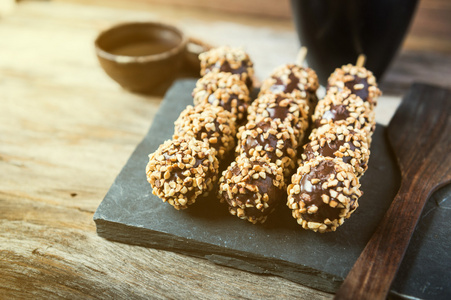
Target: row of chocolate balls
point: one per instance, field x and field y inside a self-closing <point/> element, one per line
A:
<point x="186" y="166"/>
<point x="255" y="183"/>
<point x="326" y="187"/>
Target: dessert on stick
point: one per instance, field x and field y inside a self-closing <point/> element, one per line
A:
<point x="186" y="167"/>
<point x="325" y="189"/>
<point x="277" y="122"/>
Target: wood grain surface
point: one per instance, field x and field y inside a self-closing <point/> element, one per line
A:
<point x="66" y="130"/>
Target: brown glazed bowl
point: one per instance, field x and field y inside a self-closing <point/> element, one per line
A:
<point x="142" y="57"/>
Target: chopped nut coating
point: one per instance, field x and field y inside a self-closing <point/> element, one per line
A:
<point x="177" y="183"/>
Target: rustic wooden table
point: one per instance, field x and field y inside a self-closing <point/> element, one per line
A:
<point x="66" y="130"/>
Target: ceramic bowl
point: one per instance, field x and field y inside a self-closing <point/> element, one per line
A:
<point x="141" y="56"/>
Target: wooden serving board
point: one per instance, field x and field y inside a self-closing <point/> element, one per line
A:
<point x="130" y="213"/>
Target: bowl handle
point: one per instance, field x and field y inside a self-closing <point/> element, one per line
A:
<point x="193" y="48"/>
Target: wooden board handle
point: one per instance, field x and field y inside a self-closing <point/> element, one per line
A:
<point x="376" y="267"/>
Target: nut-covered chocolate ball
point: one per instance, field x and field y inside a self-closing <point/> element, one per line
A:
<point x="337" y="141"/>
<point x="223" y="89"/>
<point x="357" y="80"/>
<point x="344" y="108"/>
<point x="181" y="170"/>
<point x="293" y="79"/>
<point x="208" y="123"/>
<point x="252" y="188"/>
<point x="228" y="60"/>
<point x="283" y="107"/>
<point x="271" y="139"/>
<point x="323" y="193"/>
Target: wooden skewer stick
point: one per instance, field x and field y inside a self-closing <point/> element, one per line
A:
<point x="301" y="56"/>
<point x="361" y="60"/>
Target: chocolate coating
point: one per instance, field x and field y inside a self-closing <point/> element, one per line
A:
<point x="229" y="60"/>
<point x="362" y="92"/>
<point x="335" y="113"/>
<point x="337" y="141"/>
<point x="289" y="78"/>
<point x="271" y="139"/>
<point x="312" y="100"/>
<point x="327" y="150"/>
<point x="283" y="107"/>
<point x="229" y="103"/>
<point x="357" y="80"/>
<point x="291" y="86"/>
<point x="223" y="89"/>
<point x="225" y="67"/>
<point x="311" y="193"/>
<point x="208" y="123"/>
<point x="293" y="79"/>
<point x="268" y="142"/>
<point x="252" y="188"/>
<point x="345" y="108"/>
<point x="323" y="193"/>
<point x="181" y="170"/>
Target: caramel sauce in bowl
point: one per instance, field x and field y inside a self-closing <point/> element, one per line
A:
<point x="142" y="57"/>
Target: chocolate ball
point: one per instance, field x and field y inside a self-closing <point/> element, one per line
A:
<point x="345" y="108"/>
<point x="337" y="141"/>
<point x="293" y="79"/>
<point x="271" y="139"/>
<point x="211" y="124"/>
<point x="323" y="193"/>
<point x="181" y="170"/>
<point x="223" y="89"/>
<point x="283" y="107"/>
<point x="252" y="188"/>
<point x="357" y="80"/>
<point x="228" y="60"/>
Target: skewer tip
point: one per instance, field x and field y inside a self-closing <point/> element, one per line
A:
<point x="361" y="60"/>
<point x="301" y="56"/>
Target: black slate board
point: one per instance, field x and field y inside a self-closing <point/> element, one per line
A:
<point x="130" y="213"/>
